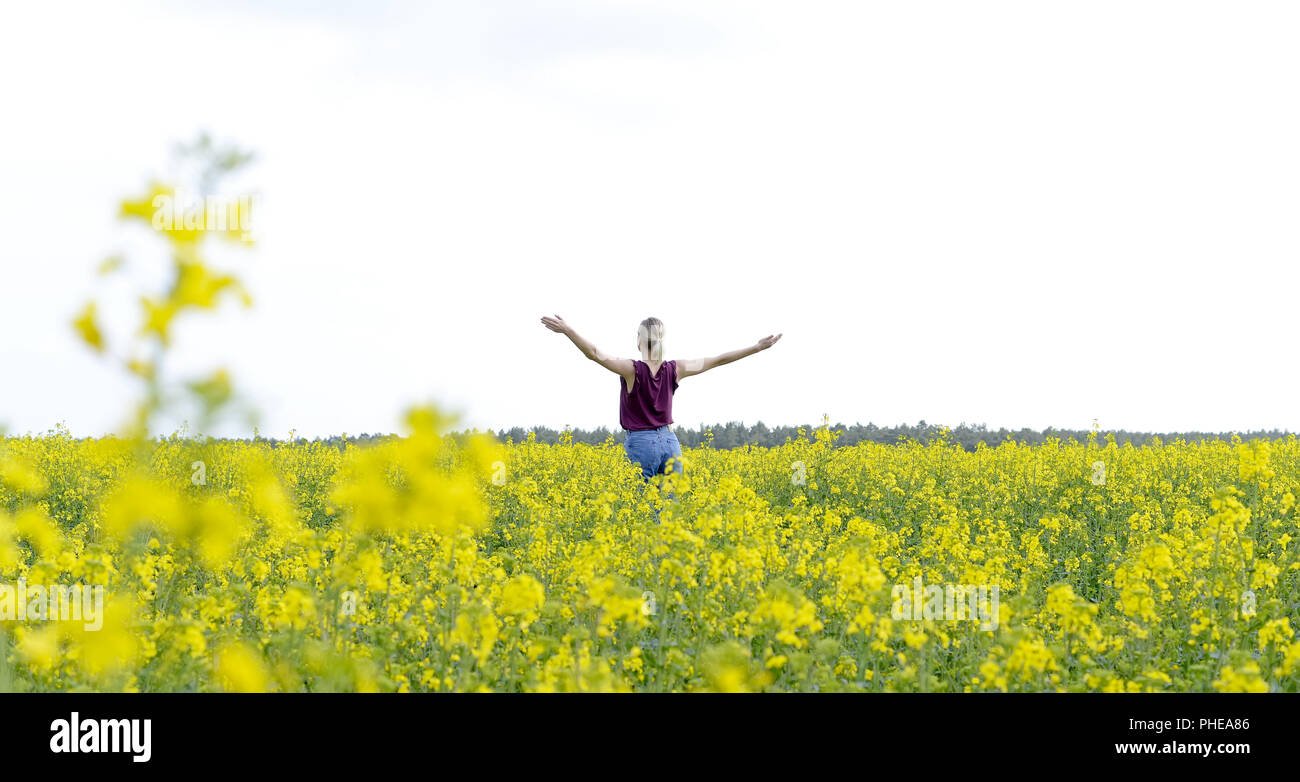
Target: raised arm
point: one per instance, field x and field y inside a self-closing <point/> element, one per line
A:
<point x="619" y="366"/>
<point x="697" y="366"/>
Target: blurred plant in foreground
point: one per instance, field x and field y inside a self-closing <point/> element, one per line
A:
<point x="222" y="561"/>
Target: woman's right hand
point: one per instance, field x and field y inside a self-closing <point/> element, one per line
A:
<point x="768" y="341"/>
<point x="555" y="324"/>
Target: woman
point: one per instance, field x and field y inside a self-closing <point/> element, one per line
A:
<point x="645" y="407"/>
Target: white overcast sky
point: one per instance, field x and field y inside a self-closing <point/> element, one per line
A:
<point x="1016" y="213"/>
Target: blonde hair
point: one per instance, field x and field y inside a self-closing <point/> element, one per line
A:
<point x="651" y="334"/>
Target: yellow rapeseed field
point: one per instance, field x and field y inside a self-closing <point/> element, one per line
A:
<point x="433" y="562"/>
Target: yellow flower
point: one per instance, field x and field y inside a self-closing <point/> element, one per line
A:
<point x="1245" y="679"/>
<point x="240" y="669"/>
<point x="87" y="326"/>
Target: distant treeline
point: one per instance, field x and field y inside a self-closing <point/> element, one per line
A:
<point x="736" y="434"/>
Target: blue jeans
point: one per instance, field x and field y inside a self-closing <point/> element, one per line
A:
<point x="651" y="449"/>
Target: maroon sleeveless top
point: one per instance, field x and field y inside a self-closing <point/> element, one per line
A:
<point x="650" y="405"/>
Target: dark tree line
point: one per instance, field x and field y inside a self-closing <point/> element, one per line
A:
<point x="736" y="434"/>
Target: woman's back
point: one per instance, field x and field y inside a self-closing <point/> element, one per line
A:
<point x="649" y="403"/>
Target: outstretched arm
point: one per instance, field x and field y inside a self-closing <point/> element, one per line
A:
<point x="697" y="366"/>
<point x="619" y="366"/>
